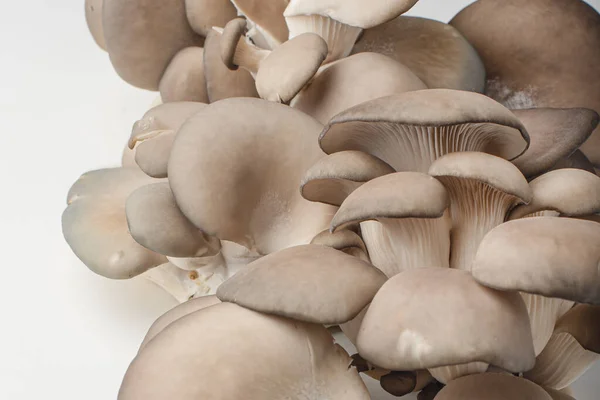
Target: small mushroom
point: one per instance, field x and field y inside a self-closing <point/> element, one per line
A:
<point x="202" y="15"/>
<point x="572" y="350"/>
<point x="221" y="82"/>
<point x="234" y="170"/>
<point x="141" y="51"/>
<point x="353" y="80"/>
<point x="340" y="23"/>
<point x="411" y="130"/>
<point x="402" y="228"/>
<point x="95" y="226"/>
<point x="555" y="133"/>
<point x="337" y="175"/>
<point x="183" y="80"/>
<point x="295" y="283"/>
<point x="281" y="73"/>
<point x="552" y="257"/>
<point x="93" y="17"/>
<point x="152" y="136"/>
<point x="265" y="20"/>
<point x="492" y="325"/>
<point x="482" y="190"/>
<point x="569" y="192"/>
<point x="436" y="52"/>
<point x="492" y="386"/>
<point x="228" y="352"/>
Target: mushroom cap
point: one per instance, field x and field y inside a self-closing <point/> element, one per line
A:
<point x="571" y="192"/>
<point x="353" y="80"/>
<point x="141" y="51"/>
<point x="95" y="226"/>
<point x="93" y="17"/>
<point x="351" y="12"/>
<point x="284" y="72"/>
<point x="183" y="80"/>
<point x="583" y="323"/>
<point x="437" y="53"/>
<point x="561" y="41"/>
<point x="492" y="386"/>
<point x="555" y="133"/>
<point x="402" y="329"/>
<point x="153" y="135"/>
<point x="273" y="358"/>
<point x="337" y="175"/>
<point x="221" y="82"/>
<point x="297" y="283"/>
<point x="490" y="170"/>
<point x="202" y="15"/>
<point x="156" y="223"/>
<point x="386" y="127"/>
<point x="177" y="313"/>
<point x="234" y="171"/>
<point x="554" y="257"/>
<point x="268" y="17"/>
<point x="387" y="197"/>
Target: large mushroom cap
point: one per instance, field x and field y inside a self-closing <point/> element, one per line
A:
<point x="555" y="133"/>
<point x="309" y="283"/>
<point x="554" y="257"/>
<point x="235" y="168"/>
<point x="141" y="51"/>
<point x="538" y="53"/>
<point x="93" y="17"/>
<point x="202" y="15"/>
<point x="95" y="226"/>
<point x="226" y="352"/>
<point x="183" y="80"/>
<point x="437" y="53"/>
<point x="492" y="386"/>
<point x="434" y="121"/>
<point x="354" y="80"/>
<point x="416" y="317"/>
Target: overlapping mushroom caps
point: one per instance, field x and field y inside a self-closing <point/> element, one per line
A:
<point x="561" y="40"/>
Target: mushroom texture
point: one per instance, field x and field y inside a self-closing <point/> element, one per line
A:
<point x="93" y="17"/>
<point x="340" y="23"/>
<point x="234" y="170"/>
<point x="95" y="225"/>
<point x="436" y="52"/>
<point x="411" y="130"/>
<point x="483" y="189"/>
<point x="492" y="386"/>
<point x="141" y="51"/>
<point x="281" y="73"/>
<point x="350" y="81"/>
<point x="402" y="228"/>
<point x="572" y="350"/>
<point x="555" y="75"/>
<point x="202" y="15"/>
<point x="401" y="329"/>
<point x="274" y="358"/>
<point x="183" y="80"/>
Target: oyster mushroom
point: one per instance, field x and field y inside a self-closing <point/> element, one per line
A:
<point x="353" y="80"/>
<point x="95" y="226"/>
<point x="202" y="15"/>
<point x="492" y="386"/>
<point x="281" y="73"/>
<point x="141" y="51"/>
<point x="403" y="221"/>
<point x="294" y="283"/>
<point x="234" y="170"/>
<point x="340" y="22"/>
<point x="492" y="325"/>
<point x="183" y="80"/>
<point x="573" y="349"/>
<point x="274" y="358"/>
<point x="411" y="130"/>
<point x="436" y="52"/>
<point x="561" y="41"/>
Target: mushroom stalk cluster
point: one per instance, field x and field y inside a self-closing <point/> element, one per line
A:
<point x="315" y="164"/>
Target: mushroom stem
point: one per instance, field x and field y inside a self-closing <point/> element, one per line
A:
<point x="340" y="37"/>
<point x="396" y="245"/>
<point x="448" y="373"/>
<point x="249" y="56"/>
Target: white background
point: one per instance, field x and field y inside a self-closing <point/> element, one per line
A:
<point x="66" y="333"/>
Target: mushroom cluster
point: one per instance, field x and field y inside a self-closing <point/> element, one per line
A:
<point x="321" y="173"/>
